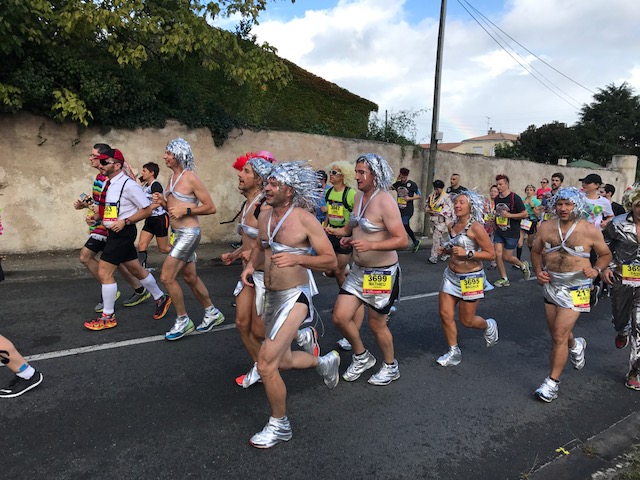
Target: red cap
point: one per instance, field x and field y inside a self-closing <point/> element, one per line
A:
<point x="113" y="153"/>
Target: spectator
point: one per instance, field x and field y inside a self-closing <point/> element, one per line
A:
<point x="609" y="190"/>
<point x="544" y="188"/>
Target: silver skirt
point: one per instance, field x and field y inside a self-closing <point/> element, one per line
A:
<point x="278" y="305"/>
<point x="354" y="284"/>
<point x="558" y="290"/>
<point x="451" y="284"/>
<point x="258" y="285"/>
<point x="185" y="244"/>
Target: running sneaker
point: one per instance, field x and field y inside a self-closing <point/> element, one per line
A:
<point x="137" y="298"/>
<point x="103" y="322"/>
<point x="493" y="266"/>
<point x="183" y="326"/>
<point x="501" y="282"/>
<point x="100" y="305"/>
<point x="212" y="318"/>
<point x="344" y="344"/>
<point x="526" y="270"/>
<point x="328" y="366"/>
<point x="249" y="378"/>
<point x="632" y="381"/>
<point x="386" y="374"/>
<point x="275" y="431"/>
<point x="576" y="354"/>
<point x="19" y="385"/>
<point x="433" y="260"/>
<point x="308" y="341"/>
<point x="548" y="391"/>
<point x="622" y="340"/>
<point x="444" y="258"/>
<point x="416" y="246"/>
<point x="491" y="332"/>
<point x="595" y="294"/>
<point x="359" y="364"/>
<point x="162" y="307"/>
<point x="452" y="358"/>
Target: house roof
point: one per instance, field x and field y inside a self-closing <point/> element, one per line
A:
<point x="445" y="147"/>
<point x="493" y="136"/>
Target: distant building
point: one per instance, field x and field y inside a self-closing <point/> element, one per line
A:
<point x="484" y="145"/>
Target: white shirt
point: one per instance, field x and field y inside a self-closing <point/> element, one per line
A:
<point x="600" y="207"/>
<point x="132" y="198"/>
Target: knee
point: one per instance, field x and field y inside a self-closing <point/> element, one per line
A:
<point x="243" y="324"/>
<point x="86" y="257"/>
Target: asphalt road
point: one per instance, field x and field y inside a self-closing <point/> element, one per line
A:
<point x="147" y="408"/>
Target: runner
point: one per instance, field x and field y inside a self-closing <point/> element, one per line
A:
<point x="566" y="274"/>
<point x="464" y="281"/>
<point x="26" y="377"/>
<point x="288" y="233"/>
<point x="186" y="199"/>
<point x="158" y="223"/>
<point x="374" y="231"/>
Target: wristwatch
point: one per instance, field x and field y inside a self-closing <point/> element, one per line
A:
<point x="127" y="221"/>
<point x="470" y="254"/>
<point x="188" y="211"/>
<point x="599" y="270"/>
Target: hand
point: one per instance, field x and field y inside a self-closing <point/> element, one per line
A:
<point x="157" y="197"/>
<point x="607" y="276"/>
<point x="345" y="241"/>
<point x="117" y="226"/>
<point x="543" y="277"/>
<point x="590" y="272"/>
<point x="282" y="260"/>
<point x="79" y="204"/>
<point x="227" y="258"/>
<point x="177" y="212"/>
<point x="361" y="245"/>
<point x="245" y="276"/>
<point x="459" y="252"/>
<point x="90" y="220"/>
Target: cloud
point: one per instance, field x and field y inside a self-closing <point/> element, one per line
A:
<point x="371" y="48"/>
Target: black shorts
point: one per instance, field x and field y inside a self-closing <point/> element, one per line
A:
<point x="120" y="246"/>
<point x="335" y="243"/>
<point x="95" y="245"/>
<point x="158" y="225"/>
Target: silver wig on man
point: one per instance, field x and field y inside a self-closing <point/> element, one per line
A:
<point x="382" y="173"/>
<point x="181" y="150"/>
<point x="303" y="181"/>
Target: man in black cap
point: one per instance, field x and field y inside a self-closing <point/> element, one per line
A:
<point x="601" y="211"/>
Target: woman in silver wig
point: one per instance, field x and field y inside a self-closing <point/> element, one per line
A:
<point x="464" y="281"/>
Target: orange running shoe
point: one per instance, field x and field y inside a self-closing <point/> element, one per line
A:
<point x="103" y="322"/>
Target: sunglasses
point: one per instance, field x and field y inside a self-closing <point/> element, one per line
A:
<point x="544" y="182"/>
<point x="334" y="172"/>
<point x="107" y="162"/>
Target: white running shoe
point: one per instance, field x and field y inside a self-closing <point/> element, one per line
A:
<point x="452" y="358"/>
<point x="576" y="354"/>
<point x="491" y="332"/>
<point x="359" y="364"/>
<point x="386" y="374"/>
<point x="344" y="344"/>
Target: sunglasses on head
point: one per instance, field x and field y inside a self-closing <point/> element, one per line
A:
<point x="107" y="162"/>
<point x="334" y="172"/>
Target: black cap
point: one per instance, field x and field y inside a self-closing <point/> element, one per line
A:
<point x="592" y="178"/>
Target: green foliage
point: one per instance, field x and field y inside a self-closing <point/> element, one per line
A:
<point x="505" y="150"/>
<point x="608" y="126"/>
<point x="135" y="63"/>
<point x="399" y="128"/>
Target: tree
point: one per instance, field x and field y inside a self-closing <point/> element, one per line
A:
<point x="547" y="143"/>
<point x="610" y="125"/>
<point x="133" y="32"/>
<point x="505" y="150"/>
<point x="397" y="127"/>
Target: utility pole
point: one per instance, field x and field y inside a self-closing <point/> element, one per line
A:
<point x="429" y="172"/>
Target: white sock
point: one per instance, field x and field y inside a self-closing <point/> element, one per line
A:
<point x="109" y="292"/>
<point x="27" y="372"/>
<point x="150" y="284"/>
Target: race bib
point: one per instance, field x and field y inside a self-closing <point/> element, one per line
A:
<point x="335" y="211"/>
<point x="581" y="295"/>
<point x="489" y="218"/>
<point x="502" y="222"/>
<point x="525" y="224"/>
<point x="402" y="202"/>
<point x="548" y="216"/>
<point x="472" y="286"/>
<point x="377" y="282"/>
<point x="172" y="238"/>
<point x="110" y="214"/>
<point x="631" y="275"/>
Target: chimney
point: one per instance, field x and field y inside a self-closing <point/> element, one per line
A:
<point x="491" y="130"/>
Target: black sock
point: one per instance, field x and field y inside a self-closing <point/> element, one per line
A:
<point x="139" y="290"/>
<point x="518" y="252"/>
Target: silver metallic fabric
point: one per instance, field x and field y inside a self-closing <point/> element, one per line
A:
<point x="620" y="235"/>
<point x="258" y="285"/>
<point x="278" y="305"/>
<point x="261" y="167"/>
<point x="355" y="281"/>
<point x="451" y="283"/>
<point x="382" y="173"/>
<point x="558" y="290"/>
<point x="185" y="244"/>
<point x="574" y="195"/>
<point x="298" y="175"/>
<point x="181" y="149"/>
<point x="476" y="204"/>
<point x="625" y="307"/>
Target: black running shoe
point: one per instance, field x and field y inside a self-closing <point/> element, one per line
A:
<point x="18" y="386"/>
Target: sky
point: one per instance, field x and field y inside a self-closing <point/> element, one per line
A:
<point x="385" y="51"/>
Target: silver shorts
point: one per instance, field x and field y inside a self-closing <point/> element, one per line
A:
<point x="278" y="305"/>
<point x="354" y="284"/>
<point x="451" y="283"/>
<point x="558" y="290"/>
<point x="258" y="285"/>
<point x="185" y="244"/>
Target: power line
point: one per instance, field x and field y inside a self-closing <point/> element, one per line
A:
<point x="577" y="107"/>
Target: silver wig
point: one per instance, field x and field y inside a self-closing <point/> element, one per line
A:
<point x="261" y="167"/>
<point x="382" y="173"/>
<point x="631" y="196"/>
<point x="181" y="149"/>
<point x="302" y="179"/>
<point x="476" y="205"/>
<point x="575" y="196"/>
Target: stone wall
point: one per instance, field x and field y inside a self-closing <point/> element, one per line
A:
<point x="44" y="168"/>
